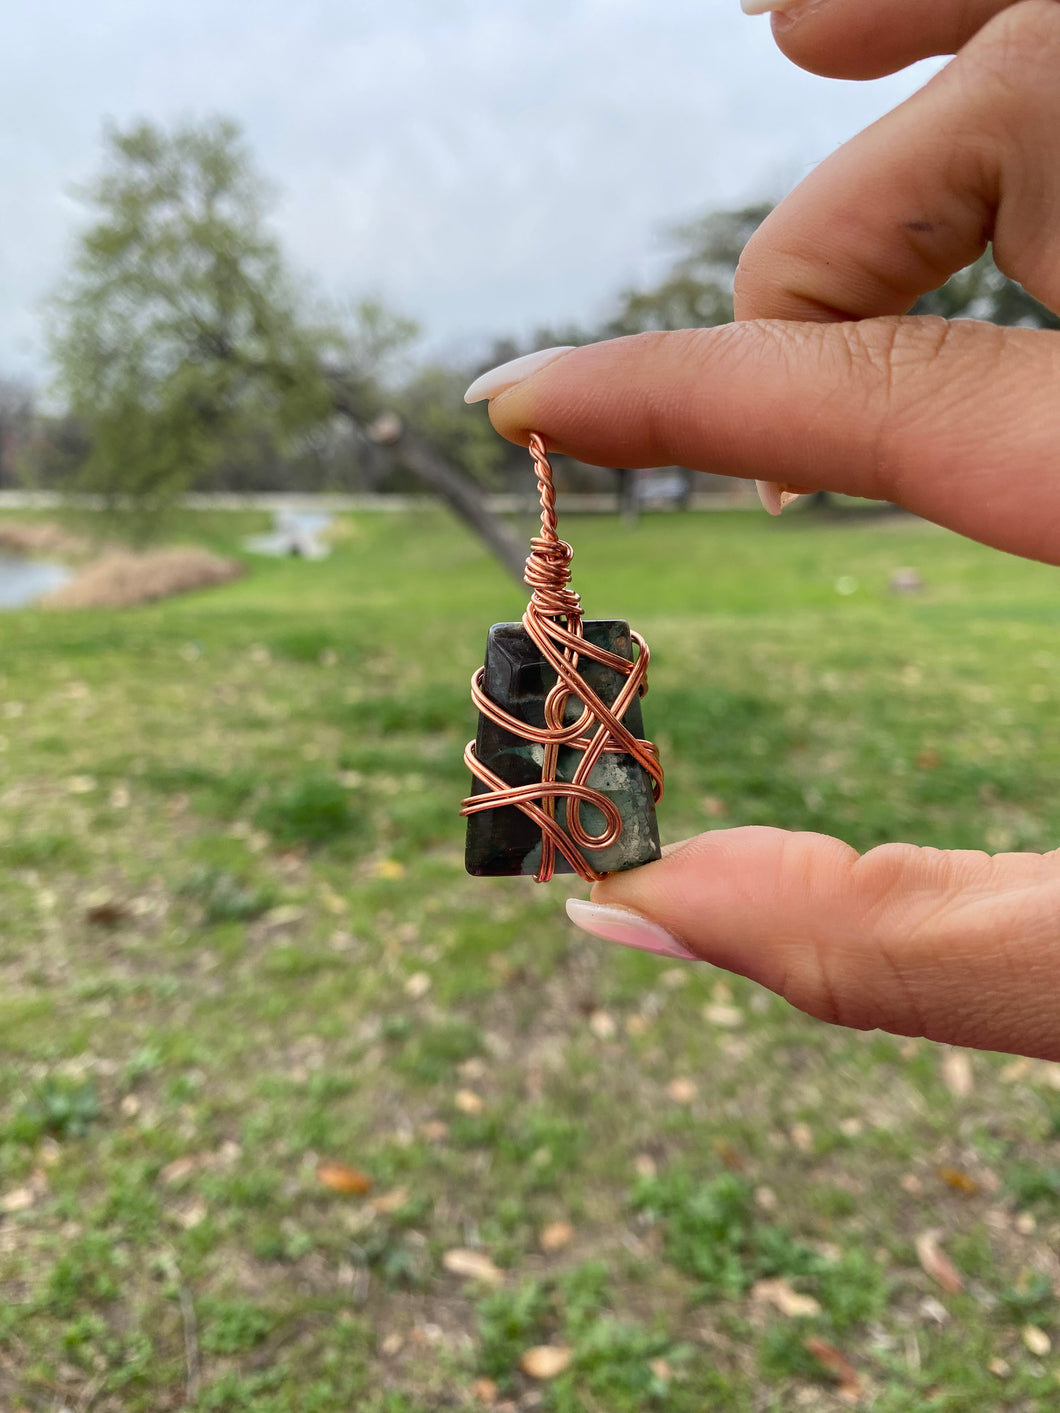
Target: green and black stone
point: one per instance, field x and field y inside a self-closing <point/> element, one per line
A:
<point x="504" y="841"/>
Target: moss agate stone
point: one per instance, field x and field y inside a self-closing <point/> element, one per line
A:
<point x="504" y="841"/>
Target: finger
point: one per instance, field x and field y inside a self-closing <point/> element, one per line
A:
<point x="960" y="947"/>
<point x="862" y="39"/>
<point x="916" y="197"/>
<point x="957" y="421"/>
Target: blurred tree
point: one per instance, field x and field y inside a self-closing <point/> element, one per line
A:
<point x="183" y="344"/>
<point x="178" y="335"/>
<point x="981" y="291"/>
<point x="17" y="419"/>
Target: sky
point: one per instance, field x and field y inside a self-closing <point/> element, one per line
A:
<point x="483" y="166"/>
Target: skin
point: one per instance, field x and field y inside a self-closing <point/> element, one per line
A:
<point x="824" y="382"/>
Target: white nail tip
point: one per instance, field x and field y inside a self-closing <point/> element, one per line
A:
<point x="769" y="495"/>
<point x="763" y="7"/>
<point x="498" y="380"/>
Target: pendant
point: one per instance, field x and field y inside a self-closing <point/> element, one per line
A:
<point x="563" y="780"/>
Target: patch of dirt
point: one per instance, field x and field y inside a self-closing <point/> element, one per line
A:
<point x="122" y="578"/>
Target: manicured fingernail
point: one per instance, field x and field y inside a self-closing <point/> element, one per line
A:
<point x="627" y="928"/>
<point x="499" y="380"/>
<point x="763" y="7"/>
<point x="774" y="496"/>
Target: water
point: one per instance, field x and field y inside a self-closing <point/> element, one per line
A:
<point x="24" y="580"/>
<point x="296" y="533"/>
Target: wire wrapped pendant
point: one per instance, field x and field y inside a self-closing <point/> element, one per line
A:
<point x="563" y="781"/>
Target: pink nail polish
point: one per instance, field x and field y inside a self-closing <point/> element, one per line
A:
<point x="627" y="928"/>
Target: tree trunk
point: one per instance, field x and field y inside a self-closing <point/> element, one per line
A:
<point x="464" y="497"/>
<point x="468" y="500"/>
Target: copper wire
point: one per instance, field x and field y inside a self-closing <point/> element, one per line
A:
<point x="553" y="619"/>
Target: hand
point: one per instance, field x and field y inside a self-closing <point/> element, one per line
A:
<point x="827" y="383"/>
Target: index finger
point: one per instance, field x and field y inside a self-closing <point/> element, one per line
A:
<point x="863" y="39"/>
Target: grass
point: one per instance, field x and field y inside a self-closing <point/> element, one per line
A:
<point x="237" y="940"/>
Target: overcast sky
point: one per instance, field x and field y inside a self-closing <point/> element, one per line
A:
<point x="483" y="165"/>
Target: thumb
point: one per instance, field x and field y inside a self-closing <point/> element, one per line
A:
<point x="955" y="946"/>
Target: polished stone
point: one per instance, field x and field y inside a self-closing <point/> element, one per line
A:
<point x="505" y="841"/>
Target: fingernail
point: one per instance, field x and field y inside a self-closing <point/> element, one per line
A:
<point x="763" y="7"/>
<point x="499" y="380"/>
<point x="627" y="928"/>
<point x="774" y="496"/>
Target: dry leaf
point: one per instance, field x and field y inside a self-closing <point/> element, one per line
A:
<point x="602" y="1025"/>
<point x="682" y="1091"/>
<point x="389" y="1202"/>
<point x="636" y="1025"/>
<point x="340" y="1177"/>
<point x="1025" y="1223"/>
<point x="475" y="1068"/>
<point x="1000" y="1368"/>
<point x="179" y="1169"/>
<point x="556" y="1236"/>
<point x="130" y="1106"/>
<point x="1036" y="1340"/>
<point x="107" y="912"/>
<point x="728" y="1017"/>
<point x="958" y="1179"/>
<point x="468" y="1102"/>
<point x="713" y="807"/>
<point x="957" y="1073"/>
<point x="802" y="1137"/>
<point x="645" y="1166"/>
<point x="434" y="1130"/>
<point x="485" y="1390"/>
<point x="766" y="1198"/>
<point x="18" y="1199"/>
<point x="782" y="1297"/>
<point x="661" y="1370"/>
<point x="1016" y="1070"/>
<point x="417" y="986"/>
<point x="837" y="1364"/>
<point x="545" y="1361"/>
<point x="936" y="1263"/>
<point x="393" y="1344"/>
<point x="909" y="1182"/>
<point x="472" y="1265"/>
<point x="193" y="1214"/>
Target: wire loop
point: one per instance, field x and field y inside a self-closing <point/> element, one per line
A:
<point x="553" y="619"/>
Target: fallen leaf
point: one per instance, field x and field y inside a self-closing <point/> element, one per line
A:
<point x="728" y="1017"/>
<point x="682" y="1091"/>
<point x="729" y="1154"/>
<point x="392" y="1344"/>
<point x="936" y="1263"/>
<point x="636" y="1025"/>
<point x="18" y="1199"/>
<point x="80" y="784"/>
<point x="958" y="1179"/>
<point x="1025" y="1223"/>
<point x="472" y="1265"/>
<point x="713" y="807"/>
<point x="417" y="986"/>
<point x="1000" y="1368"/>
<point x="468" y="1102"/>
<point x="179" y="1169"/>
<point x="802" y="1137"/>
<point x="545" y="1361"/>
<point x="1015" y="1070"/>
<point x="434" y="1130"/>
<point x="782" y="1297"/>
<point x="106" y="912"/>
<point x="927" y="759"/>
<point x="390" y="868"/>
<point x="556" y="1236"/>
<point x="475" y="1068"/>
<point x="957" y="1073"/>
<point x="485" y="1390"/>
<point x="909" y="1182"/>
<point x="1036" y="1340"/>
<point x="645" y="1166"/>
<point x="602" y="1025"/>
<point x="193" y="1214"/>
<point x="837" y="1364"/>
<point x="389" y="1202"/>
<point x="766" y="1198"/>
<point x="340" y="1177"/>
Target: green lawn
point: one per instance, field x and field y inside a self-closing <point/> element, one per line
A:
<point x="237" y="940"/>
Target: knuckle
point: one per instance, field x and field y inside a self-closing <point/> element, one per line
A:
<point x="1016" y="52"/>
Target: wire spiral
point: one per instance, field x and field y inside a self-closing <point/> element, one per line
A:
<point x="553" y="619"/>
